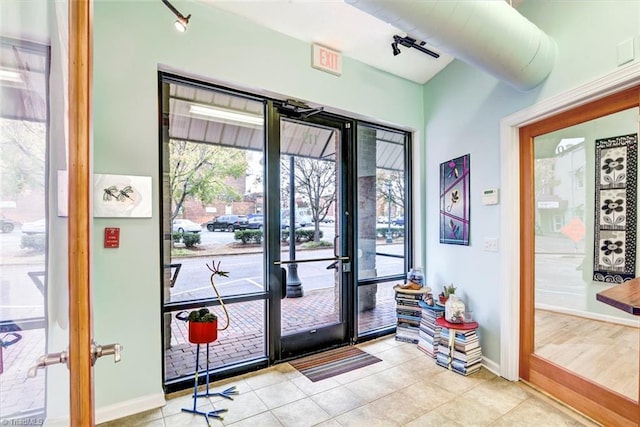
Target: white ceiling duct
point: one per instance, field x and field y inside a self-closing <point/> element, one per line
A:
<point x="490" y="35"/>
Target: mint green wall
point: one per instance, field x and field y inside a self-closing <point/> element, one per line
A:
<point x="463" y="108"/>
<point x="131" y="38"/>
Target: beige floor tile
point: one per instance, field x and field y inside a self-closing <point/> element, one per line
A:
<point x="497" y="394"/>
<point x="532" y="411"/>
<point x="400" y="375"/>
<point x="289" y="371"/>
<point x="241" y="407"/>
<point x="468" y="412"/>
<point x="174" y="406"/>
<point x="264" y="378"/>
<point x="456" y="383"/>
<point x="429" y="395"/>
<point x="401" y="407"/>
<point x="265" y="419"/>
<point x="375" y="346"/>
<point x="301" y="413"/>
<point x="371" y="388"/>
<point x="365" y="416"/>
<point x="329" y="423"/>
<point x="338" y="400"/>
<point x="185" y="419"/>
<point x="406" y="389"/>
<point x="396" y="355"/>
<point x="433" y="419"/>
<point x="310" y="388"/>
<point x="280" y="394"/>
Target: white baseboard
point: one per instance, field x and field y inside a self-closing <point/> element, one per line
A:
<point x="116" y="411"/>
<point x="129" y="407"/>
<point x="491" y="366"/>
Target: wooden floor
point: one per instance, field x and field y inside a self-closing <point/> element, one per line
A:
<point x="602" y="352"/>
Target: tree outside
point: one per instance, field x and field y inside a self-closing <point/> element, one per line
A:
<point x="203" y="172"/>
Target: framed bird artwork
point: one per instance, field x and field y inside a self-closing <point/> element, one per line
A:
<point x="454" y="201"/>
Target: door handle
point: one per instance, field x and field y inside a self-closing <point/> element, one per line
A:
<point x="97" y="351"/>
<point x="48" y="359"/>
<point x="333" y="265"/>
<point x="283" y="284"/>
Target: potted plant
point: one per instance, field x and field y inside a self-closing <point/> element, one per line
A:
<point x="203" y="325"/>
<point x="446" y="292"/>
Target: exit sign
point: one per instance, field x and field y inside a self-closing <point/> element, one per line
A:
<point x="326" y="59"/>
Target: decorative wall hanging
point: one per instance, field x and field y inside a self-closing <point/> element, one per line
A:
<point x="614" y="257"/>
<point x="121" y="196"/>
<point x="454" y="201"/>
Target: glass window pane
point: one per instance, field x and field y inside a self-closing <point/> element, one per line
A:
<point x="213" y="204"/>
<point x="572" y="328"/>
<point x="244" y="340"/>
<point x="23" y="225"/>
<point x="381" y="298"/>
<point x="382" y="201"/>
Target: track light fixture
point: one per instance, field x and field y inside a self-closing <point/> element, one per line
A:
<point x="407" y="41"/>
<point x="182" y="21"/>
<point x="396" y="49"/>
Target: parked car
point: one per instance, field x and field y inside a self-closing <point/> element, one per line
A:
<point x="302" y="222"/>
<point x="328" y="219"/>
<point x="398" y="221"/>
<point x="6" y="225"/>
<point x="228" y="223"/>
<point x="256" y="222"/>
<point x="182" y="225"/>
<point x="35" y="227"/>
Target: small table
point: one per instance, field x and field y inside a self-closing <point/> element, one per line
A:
<point x="464" y="360"/>
<point x="468" y="326"/>
<point x="625" y="297"/>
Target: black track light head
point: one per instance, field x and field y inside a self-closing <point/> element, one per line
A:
<point x="407" y="41"/>
<point x="396" y="49"/>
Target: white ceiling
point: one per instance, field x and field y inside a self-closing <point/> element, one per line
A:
<point x="342" y="27"/>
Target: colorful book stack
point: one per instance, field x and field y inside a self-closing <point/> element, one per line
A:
<point x="429" y="331"/>
<point x="459" y="348"/>
<point x="408" y="314"/>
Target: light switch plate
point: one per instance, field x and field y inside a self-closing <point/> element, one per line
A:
<point x="491" y="244"/>
<point x="625" y="52"/>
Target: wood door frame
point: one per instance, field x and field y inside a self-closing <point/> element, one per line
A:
<point x="80" y="118"/>
<point x="618" y="80"/>
<point x="582" y="394"/>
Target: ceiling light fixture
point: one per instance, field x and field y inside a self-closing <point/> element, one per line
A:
<point x="222" y="114"/>
<point x="396" y="49"/>
<point x="182" y="21"/>
<point x="407" y="41"/>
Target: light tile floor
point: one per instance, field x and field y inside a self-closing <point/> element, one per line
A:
<point x="406" y="389"/>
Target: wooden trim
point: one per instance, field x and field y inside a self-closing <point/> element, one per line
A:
<point x="527" y="258"/>
<point x="80" y="316"/>
<point x="588" y="397"/>
<point x="598" y="108"/>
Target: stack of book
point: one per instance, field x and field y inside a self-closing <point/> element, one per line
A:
<point x="408" y="313"/>
<point x="429" y="331"/>
<point x="459" y="349"/>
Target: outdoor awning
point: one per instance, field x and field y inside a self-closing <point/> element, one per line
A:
<point x="213" y="117"/>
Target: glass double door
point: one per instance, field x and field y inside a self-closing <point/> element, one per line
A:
<point x="311" y="260"/>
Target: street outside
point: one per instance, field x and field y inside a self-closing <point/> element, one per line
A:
<point x="245" y="266"/>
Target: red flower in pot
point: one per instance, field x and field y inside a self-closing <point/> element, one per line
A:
<point x="203" y="326"/>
